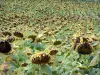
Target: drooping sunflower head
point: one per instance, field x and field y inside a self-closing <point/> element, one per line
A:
<point x="57" y="42"/>
<point x="24" y="64"/>
<point x="18" y="34"/>
<point x="33" y="37"/>
<point x="6" y="33"/>
<point x="40" y="58"/>
<point x="82" y="44"/>
<point x="53" y="52"/>
<point x="5" y="47"/>
<point x="85" y="48"/>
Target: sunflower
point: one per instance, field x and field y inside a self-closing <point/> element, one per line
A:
<point x="53" y="52"/>
<point x="6" y="33"/>
<point x="18" y="34"/>
<point x="5" y="47"/>
<point x="84" y="48"/>
<point x="40" y="58"/>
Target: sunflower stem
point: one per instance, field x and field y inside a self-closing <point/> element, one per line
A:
<point x="34" y="70"/>
<point x="40" y="72"/>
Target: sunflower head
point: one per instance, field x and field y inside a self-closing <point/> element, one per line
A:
<point x="6" y="33"/>
<point x="40" y="58"/>
<point x="84" y="48"/>
<point x="57" y="42"/>
<point x="18" y="34"/>
<point x="5" y="47"/>
<point x="82" y="45"/>
<point x="33" y="37"/>
<point x="53" y="52"/>
<point x="24" y="64"/>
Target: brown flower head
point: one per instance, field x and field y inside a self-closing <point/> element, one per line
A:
<point x="18" y="34"/>
<point x="53" y="52"/>
<point x="33" y="37"/>
<point x="6" y="33"/>
<point x="84" y="48"/>
<point x="40" y="58"/>
<point x="24" y="64"/>
<point x="5" y="47"/>
<point x="58" y="42"/>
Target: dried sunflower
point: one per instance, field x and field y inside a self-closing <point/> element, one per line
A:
<point x="5" y="47"/>
<point x="53" y="52"/>
<point x="33" y="37"/>
<point x="6" y="33"/>
<point x="40" y="58"/>
<point x="58" y="42"/>
<point x="18" y="34"/>
<point x="84" y="48"/>
<point x="24" y="64"/>
<point x="82" y="45"/>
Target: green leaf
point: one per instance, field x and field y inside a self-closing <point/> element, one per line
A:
<point x="95" y="43"/>
<point x="98" y="72"/>
<point x="46" y="69"/>
<point x="95" y="60"/>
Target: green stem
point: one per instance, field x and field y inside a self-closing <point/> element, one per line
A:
<point x="34" y="70"/>
<point x="39" y="69"/>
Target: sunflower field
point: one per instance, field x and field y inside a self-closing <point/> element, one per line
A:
<point x="49" y="37"/>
